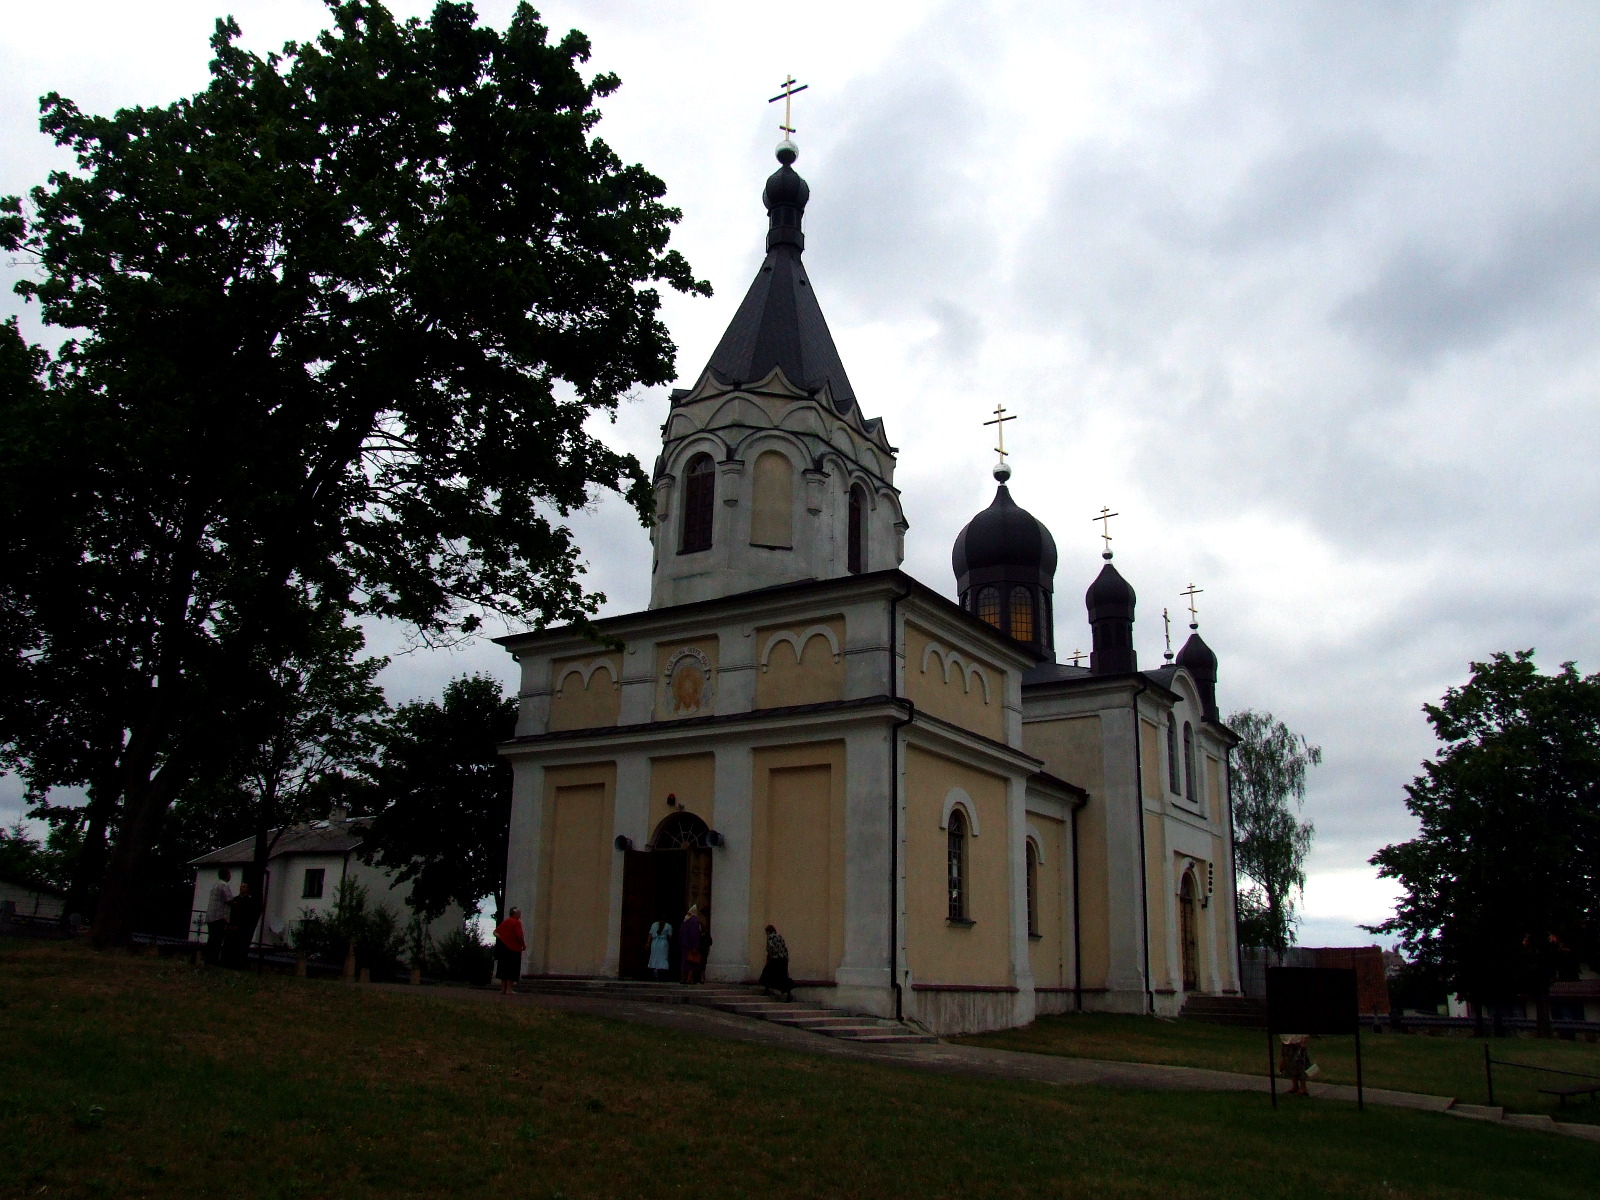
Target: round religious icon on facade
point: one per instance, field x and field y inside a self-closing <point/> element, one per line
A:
<point x="688" y="682"/>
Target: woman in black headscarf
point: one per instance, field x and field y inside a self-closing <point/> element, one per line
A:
<point x="775" y="975"/>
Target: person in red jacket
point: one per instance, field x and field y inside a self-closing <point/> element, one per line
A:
<point x="508" y="948"/>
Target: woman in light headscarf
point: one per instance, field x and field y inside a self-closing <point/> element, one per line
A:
<point x="692" y="956"/>
<point x="659" y="940"/>
<point x="775" y="975"/>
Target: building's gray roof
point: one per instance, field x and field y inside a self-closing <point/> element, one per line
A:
<point x="318" y="837"/>
<point x="780" y="324"/>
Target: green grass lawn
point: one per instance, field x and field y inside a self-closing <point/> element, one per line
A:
<point x="124" y="1076"/>
<point x="1441" y="1066"/>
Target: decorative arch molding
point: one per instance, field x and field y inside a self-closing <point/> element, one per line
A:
<point x="754" y="443"/>
<point x="1033" y="835"/>
<point x="957" y="798"/>
<point x="951" y="660"/>
<point x="799" y="641"/>
<point x="585" y="671"/>
<point x="704" y="441"/>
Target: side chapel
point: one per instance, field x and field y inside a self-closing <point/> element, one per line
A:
<point x="944" y="822"/>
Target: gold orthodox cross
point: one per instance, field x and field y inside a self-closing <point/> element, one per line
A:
<point x="1105" y="528"/>
<point x="787" y="96"/>
<point x="1194" y="616"/>
<point x="999" y="423"/>
<point x="1077" y="657"/>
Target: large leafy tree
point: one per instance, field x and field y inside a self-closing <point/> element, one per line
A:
<point x="1501" y="885"/>
<point x="339" y="322"/>
<point x="442" y="796"/>
<point x="1270" y="841"/>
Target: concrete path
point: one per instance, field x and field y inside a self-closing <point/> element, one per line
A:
<point x="979" y="1061"/>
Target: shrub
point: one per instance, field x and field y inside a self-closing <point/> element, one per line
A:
<point x="462" y="955"/>
<point x="379" y="939"/>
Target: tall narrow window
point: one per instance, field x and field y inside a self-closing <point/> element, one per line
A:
<point x="956" y="864"/>
<point x="989" y="605"/>
<point x="772" y="501"/>
<point x="1032" y="853"/>
<point x="858" y="530"/>
<point x="311" y="886"/>
<point x="1188" y="761"/>
<point x="699" y="500"/>
<point x="1174" y="781"/>
<point x="1022" y="614"/>
<point x="1047" y="621"/>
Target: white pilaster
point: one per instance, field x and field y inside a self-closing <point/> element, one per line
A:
<point x="730" y="870"/>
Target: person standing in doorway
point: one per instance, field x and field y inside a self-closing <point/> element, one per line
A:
<point x="689" y="945"/>
<point x="217" y="916"/>
<point x="775" y="975"/>
<point x="509" y="944"/>
<point x="660" y="941"/>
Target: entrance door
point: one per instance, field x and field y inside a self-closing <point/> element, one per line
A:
<point x="659" y="884"/>
<point x="1190" y="921"/>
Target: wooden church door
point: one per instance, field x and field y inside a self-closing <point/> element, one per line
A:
<point x="1190" y="921"/>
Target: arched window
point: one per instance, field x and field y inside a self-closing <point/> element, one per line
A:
<point x="1188" y="761"/>
<point x="699" y="499"/>
<point x="1047" y="621"/>
<point x="956" y="864"/>
<point x="1174" y="780"/>
<point x="1022" y="614"/>
<point x="858" y="530"/>
<point x="772" y="500"/>
<point x="1032" y="853"/>
<point x="989" y="605"/>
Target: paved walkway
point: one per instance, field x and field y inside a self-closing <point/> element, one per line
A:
<point x="956" y="1059"/>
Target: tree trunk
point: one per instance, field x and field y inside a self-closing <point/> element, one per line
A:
<point x="90" y="870"/>
<point x="145" y="804"/>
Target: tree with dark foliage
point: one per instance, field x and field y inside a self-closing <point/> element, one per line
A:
<point x="1501" y="885"/>
<point x="444" y="797"/>
<point x="338" y="323"/>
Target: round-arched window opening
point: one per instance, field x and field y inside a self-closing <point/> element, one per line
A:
<point x="699" y="504"/>
<point x="857" y="548"/>
<point x="679" y="831"/>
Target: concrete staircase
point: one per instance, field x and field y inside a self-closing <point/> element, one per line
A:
<point x="1249" y="1012"/>
<point x="742" y="999"/>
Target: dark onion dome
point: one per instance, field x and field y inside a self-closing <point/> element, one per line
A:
<point x="1110" y="601"/>
<point x="1201" y="661"/>
<point x="1004" y="536"/>
<point x="1005" y="565"/>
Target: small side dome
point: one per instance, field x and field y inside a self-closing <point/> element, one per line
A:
<point x="1110" y="595"/>
<point x="1201" y="661"/>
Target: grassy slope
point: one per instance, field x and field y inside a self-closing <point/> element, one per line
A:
<point x="213" y="1083"/>
<point x="1443" y="1066"/>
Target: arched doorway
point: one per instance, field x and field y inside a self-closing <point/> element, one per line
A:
<point x="659" y="884"/>
<point x="1189" y="920"/>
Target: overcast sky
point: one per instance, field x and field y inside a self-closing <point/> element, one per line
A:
<point x="1305" y="292"/>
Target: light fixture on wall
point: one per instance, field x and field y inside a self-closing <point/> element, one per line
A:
<point x="672" y="800"/>
<point x="713" y="838"/>
<point x="623" y="842"/>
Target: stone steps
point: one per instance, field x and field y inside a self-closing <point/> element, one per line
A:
<point x="742" y="1000"/>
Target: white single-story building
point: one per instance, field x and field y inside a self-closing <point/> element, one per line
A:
<point x="306" y="865"/>
<point x="31" y="900"/>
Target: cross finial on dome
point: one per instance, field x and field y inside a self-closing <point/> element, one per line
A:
<point x="1105" y="528"/>
<point x="1194" y="615"/>
<point x="787" y="150"/>
<point x="1002" y="469"/>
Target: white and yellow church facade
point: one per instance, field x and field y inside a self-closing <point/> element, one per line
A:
<point x="946" y="825"/>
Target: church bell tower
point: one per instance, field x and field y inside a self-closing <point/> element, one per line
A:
<point x="768" y="472"/>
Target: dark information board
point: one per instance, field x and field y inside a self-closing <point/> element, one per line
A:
<point x="1316" y="1000"/>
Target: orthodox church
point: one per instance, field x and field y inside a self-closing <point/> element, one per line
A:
<point x="946" y="824"/>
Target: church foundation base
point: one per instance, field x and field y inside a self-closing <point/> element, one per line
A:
<point x="1115" y="1000"/>
<point x="953" y="1008"/>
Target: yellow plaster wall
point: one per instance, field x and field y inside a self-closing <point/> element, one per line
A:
<point x="672" y="695"/>
<point x="688" y="777"/>
<point x="576" y="705"/>
<point x="1071" y="750"/>
<point x="1214" y="787"/>
<point x="797" y="855"/>
<point x="1150" y="759"/>
<point x="578" y="822"/>
<point x="1162" y="934"/>
<point x="772" y="500"/>
<point x="962" y="700"/>
<point x="939" y="952"/>
<point x="815" y="677"/>
<point x="1047" y="954"/>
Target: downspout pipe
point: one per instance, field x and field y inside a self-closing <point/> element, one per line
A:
<point x="1144" y="864"/>
<point x="894" y="801"/>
